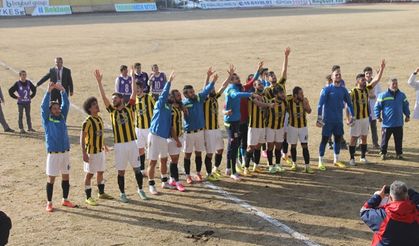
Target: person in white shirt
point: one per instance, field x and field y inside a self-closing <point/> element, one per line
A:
<point x="372" y="99"/>
<point x="415" y="84"/>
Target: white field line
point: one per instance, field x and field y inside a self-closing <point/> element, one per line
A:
<point x="278" y="225"/>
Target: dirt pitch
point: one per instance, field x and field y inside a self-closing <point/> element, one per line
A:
<point x="323" y="206"/>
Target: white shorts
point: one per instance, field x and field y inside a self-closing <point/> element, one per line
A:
<point x="360" y="127"/>
<point x="97" y="163"/>
<point x="173" y="149"/>
<point x="295" y="134"/>
<point x="157" y="147"/>
<point x="126" y="153"/>
<point x="256" y="136"/>
<point x="213" y="141"/>
<point x="275" y="135"/>
<point x="194" y="142"/>
<point x="58" y="163"/>
<point x="142" y="137"/>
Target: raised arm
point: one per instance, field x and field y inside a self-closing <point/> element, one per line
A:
<point x="306" y="105"/>
<point x="208" y="88"/>
<point x="165" y="94"/>
<point x="378" y="76"/>
<point x="284" y="71"/>
<point x="412" y="80"/>
<point x="65" y="103"/>
<point x="133" y="85"/>
<point x="249" y="84"/>
<point x="99" y="78"/>
<point x="210" y="72"/>
<point x="45" y="112"/>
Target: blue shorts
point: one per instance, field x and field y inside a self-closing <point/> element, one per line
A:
<point x="332" y="128"/>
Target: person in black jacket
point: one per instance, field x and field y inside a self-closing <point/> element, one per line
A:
<point x="58" y="74"/>
<point x="5" y="226"/>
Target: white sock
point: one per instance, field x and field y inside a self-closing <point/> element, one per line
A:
<point x="321" y="158"/>
<point x="335" y="158"/>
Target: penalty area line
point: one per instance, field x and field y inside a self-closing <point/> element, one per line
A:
<point x="277" y="224"/>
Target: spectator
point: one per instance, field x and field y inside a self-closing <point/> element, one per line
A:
<point x="389" y="109"/>
<point x="123" y="83"/>
<point x="2" y="118"/>
<point x="415" y="84"/>
<point x="157" y="81"/>
<point x="5" y="226"/>
<point x="25" y="92"/>
<point x="141" y="77"/>
<point x="58" y="74"/>
<point x="396" y="221"/>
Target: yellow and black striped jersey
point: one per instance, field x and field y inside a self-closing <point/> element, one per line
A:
<point x="93" y="128"/>
<point x="211" y="112"/>
<point x="123" y="123"/>
<point x="177" y="121"/>
<point x="297" y="114"/>
<point x="269" y="91"/>
<point x="256" y="114"/>
<point x="276" y="115"/>
<point x="359" y="98"/>
<point x="144" y="111"/>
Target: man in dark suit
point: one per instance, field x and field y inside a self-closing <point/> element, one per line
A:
<point x="58" y="74"/>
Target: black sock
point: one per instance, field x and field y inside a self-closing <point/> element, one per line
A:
<point x="264" y="147"/>
<point x="352" y="151"/>
<point x="142" y="162"/>
<point x="208" y="164"/>
<point x="139" y="177"/>
<point x="174" y="171"/>
<point x="270" y="157"/>
<point x="88" y="193"/>
<point x="285" y="147"/>
<point x="306" y="155"/>
<point x="228" y="163"/>
<point x="294" y="154"/>
<point x="198" y="163"/>
<point x="256" y="156"/>
<point x="101" y="188"/>
<point x="233" y="167"/>
<point x="187" y="165"/>
<point x="65" y="185"/>
<point x="363" y="150"/>
<point x="218" y="158"/>
<point x="50" y="189"/>
<point x="164" y="179"/>
<point x="151" y="182"/>
<point x="121" y="183"/>
<point x="247" y="159"/>
<point x="277" y="156"/>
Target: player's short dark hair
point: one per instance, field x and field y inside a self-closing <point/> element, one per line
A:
<point x="187" y="87"/>
<point x="52" y="103"/>
<point x="123" y="67"/>
<point x="360" y="76"/>
<point x="172" y="92"/>
<point x="21" y="71"/>
<point x="270" y="73"/>
<point x="88" y="104"/>
<point x="137" y="64"/>
<point x="367" y="69"/>
<point x="335" y="67"/>
<point x="277" y="90"/>
<point x="118" y="94"/>
<point x="329" y="77"/>
<point x="139" y="84"/>
<point x="265" y="69"/>
<point x="296" y="90"/>
<point x="154" y="65"/>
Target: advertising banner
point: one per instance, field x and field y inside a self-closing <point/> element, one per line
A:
<point x="24" y="3"/>
<point x="12" y="11"/>
<point x="135" y="7"/>
<point x="52" y="10"/>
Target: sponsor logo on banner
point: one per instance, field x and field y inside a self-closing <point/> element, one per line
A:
<point x="24" y="3"/>
<point x="52" y="10"/>
<point x="12" y="11"/>
<point x="135" y="7"/>
<point x="326" y="2"/>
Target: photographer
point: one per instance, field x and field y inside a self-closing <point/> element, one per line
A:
<point x="393" y="215"/>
